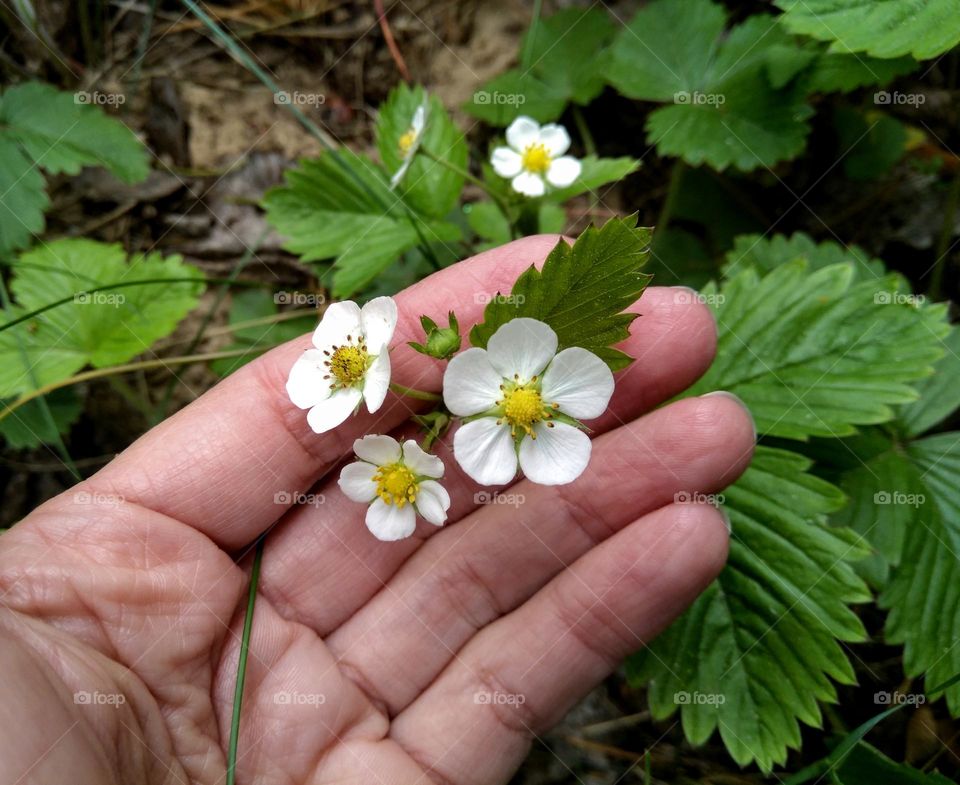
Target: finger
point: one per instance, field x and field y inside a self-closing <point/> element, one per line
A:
<point x="523" y="673"/>
<point x="231" y="462"/>
<point x="322" y="563"/>
<point x="499" y="557"/>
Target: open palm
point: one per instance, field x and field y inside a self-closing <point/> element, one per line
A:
<point x="433" y="659"/>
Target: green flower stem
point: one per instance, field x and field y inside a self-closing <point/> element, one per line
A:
<point x="99" y="373"/>
<point x="242" y="663"/>
<point x="673" y="189"/>
<point x="410" y="392"/>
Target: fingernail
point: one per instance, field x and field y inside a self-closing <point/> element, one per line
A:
<point x="732" y="397"/>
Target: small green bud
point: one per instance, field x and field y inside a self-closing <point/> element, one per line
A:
<point x="441" y="342"/>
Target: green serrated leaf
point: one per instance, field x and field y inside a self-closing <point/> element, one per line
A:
<point x="767" y="253"/>
<point x="101" y="328"/>
<point x="882" y="28"/>
<point x="557" y="72"/>
<point x="595" y="172"/>
<point x="725" y="111"/>
<point x="428" y="186"/>
<point x="815" y="353"/>
<point x="326" y="213"/>
<point x="582" y="291"/>
<point x="939" y="393"/>
<point x="833" y="72"/>
<point x="28" y="427"/>
<point x="759" y="649"/>
<point x="866" y="765"/>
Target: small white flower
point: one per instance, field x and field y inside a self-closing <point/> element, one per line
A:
<point x="348" y="364"/>
<point x="410" y="141"/>
<point x="535" y="157"/>
<point x="524" y="401"/>
<point x="397" y="482"/>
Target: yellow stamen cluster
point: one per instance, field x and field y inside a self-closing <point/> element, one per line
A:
<point x="522" y="406"/>
<point x="535" y="158"/>
<point x="396" y="484"/>
<point x="406" y="142"/>
<point x="347" y="364"/>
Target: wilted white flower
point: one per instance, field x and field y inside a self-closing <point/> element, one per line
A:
<point x="523" y="401"/>
<point x="535" y="157"/>
<point x="397" y="482"/>
<point x="409" y="142"/>
<point x="349" y="363"/>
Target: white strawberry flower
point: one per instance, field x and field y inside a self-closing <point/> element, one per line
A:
<point x="409" y="142"/>
<point x="397" y="482"/>
<point x="535" y="157"/>
<point x="349" y="363"/>
<point x="522" y="401"/>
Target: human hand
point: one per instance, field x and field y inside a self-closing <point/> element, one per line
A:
<point x="436" y="658"/>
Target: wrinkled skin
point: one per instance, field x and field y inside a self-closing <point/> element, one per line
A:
<point x="370" y="662"/>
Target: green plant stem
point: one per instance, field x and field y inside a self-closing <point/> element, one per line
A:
<point x="100" y="373"/>
<point x="581" y="122"/>
<point x="673" y="189"/>
<point x="410" y="392"/>
<point x="242" y="662"/>
<point x="946" y="235"/>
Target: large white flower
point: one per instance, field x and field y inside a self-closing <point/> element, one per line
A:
<point x="535" y="157"/>
<point x="349" y="363"/>
<point x="397" y="482"/>
<point x="410" y="141"/>
<point x="523" y="401"/>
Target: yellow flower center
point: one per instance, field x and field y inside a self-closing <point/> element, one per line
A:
<point x="348" y="364"/>
<point x="535" y="158"/>
<point x="522" y="407"/>
<point x="406" y="142"/>
<point x="396" y="484"/>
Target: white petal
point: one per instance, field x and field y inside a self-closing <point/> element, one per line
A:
<point x="522" y="132"/>
<point x="485" y="451"/>
<point x="388" y="522"/>
<point x="555" y="138"/>
<point x="418" y="119"/>
<point x="580" y="382"/>
<point x="377" y="449"/>
<point x="339" y="321"/>
<point x="432" y="502"/>
<point x="306" y="385"/>
<point x="334" y="410"/>
<point x="379" y="320"/>
<point x="506" y="162"/>
<point x="557" y="456"/>
<point x="376" y="382"/>
<point x="522" y="346"/>
<point x="422" y="463"/>
<point x="470" y="384"/>
<point x="356" y="482"/>
<point x="398" y="175"/>
<point x="563" y="171"/>
<point x="528" y="184"/>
